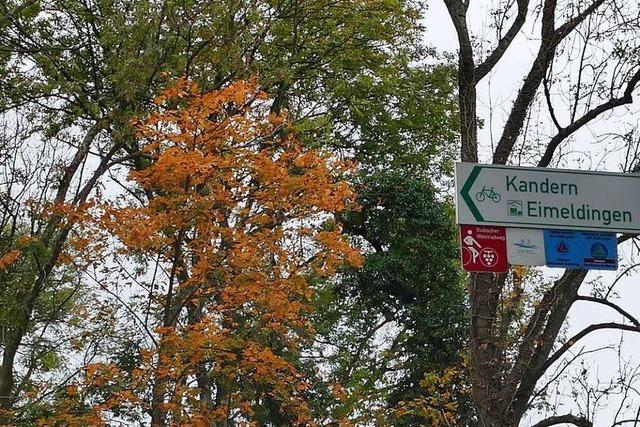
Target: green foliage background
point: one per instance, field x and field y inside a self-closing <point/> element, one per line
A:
<point x="354" y="77"/>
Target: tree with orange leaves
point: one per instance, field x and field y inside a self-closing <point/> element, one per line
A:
<point x="238" y="215"/>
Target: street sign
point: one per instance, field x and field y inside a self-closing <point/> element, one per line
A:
<point x="494" y="195"/>
<point x="525" y="246"/>
<point x="581" y="249"/>
<point x="483" y="249"/>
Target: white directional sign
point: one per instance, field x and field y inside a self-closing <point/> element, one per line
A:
<point x="547" y="198"/>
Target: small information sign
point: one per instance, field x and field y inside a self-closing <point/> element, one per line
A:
<point x="581" y="249"/>
<point x="525" y="246"/>
<point x="563" y="248"/>
<point x="602" y="251"/>
<point x="483" y="249"/>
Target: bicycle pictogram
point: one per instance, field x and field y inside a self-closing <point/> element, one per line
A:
<point x="469" y="253"/>
<point x="483" y="248"/>
<point x="488" y="192"/>
<point x="472" y="252"/>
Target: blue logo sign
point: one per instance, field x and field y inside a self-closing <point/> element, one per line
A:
<point x="562" y="248"/>
<point x="581" y="249"/>
<point x="603" y="251"/>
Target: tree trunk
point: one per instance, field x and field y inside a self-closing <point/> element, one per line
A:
<point x="7" y="378"/>
<point x="158" y="390"/>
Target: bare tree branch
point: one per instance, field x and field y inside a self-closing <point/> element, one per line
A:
<point x="564" y="133"/>
<point x="608" y="303"/>
<point x="503" y="377"/>
<point x="532" y="81"/>
<point x="547" y="96"/>
<point x="564" y="30"/>
<point x="483" y="69"/>
<point x="623" y="238"/>
<point x="551" y="38"/>
<point x="571" y="342"/>
<point x="621" y="422"/>
<point x="564" y="419"/>
<point x="540" y="335"/>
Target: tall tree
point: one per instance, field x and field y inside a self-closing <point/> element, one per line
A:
<point x="600" y="40"/>
<point x="401" y="317"/>
<point x="240" y="221"/>
<point x="81" y="70"/>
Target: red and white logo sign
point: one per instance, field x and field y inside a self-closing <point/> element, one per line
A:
<point x="484" y="249"/>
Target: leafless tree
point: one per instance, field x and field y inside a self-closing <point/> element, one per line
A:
<point x="585" y="67"/>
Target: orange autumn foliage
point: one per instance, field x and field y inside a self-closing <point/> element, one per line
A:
<point x="9" y="258"/>
<point x="240" y="214"/>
